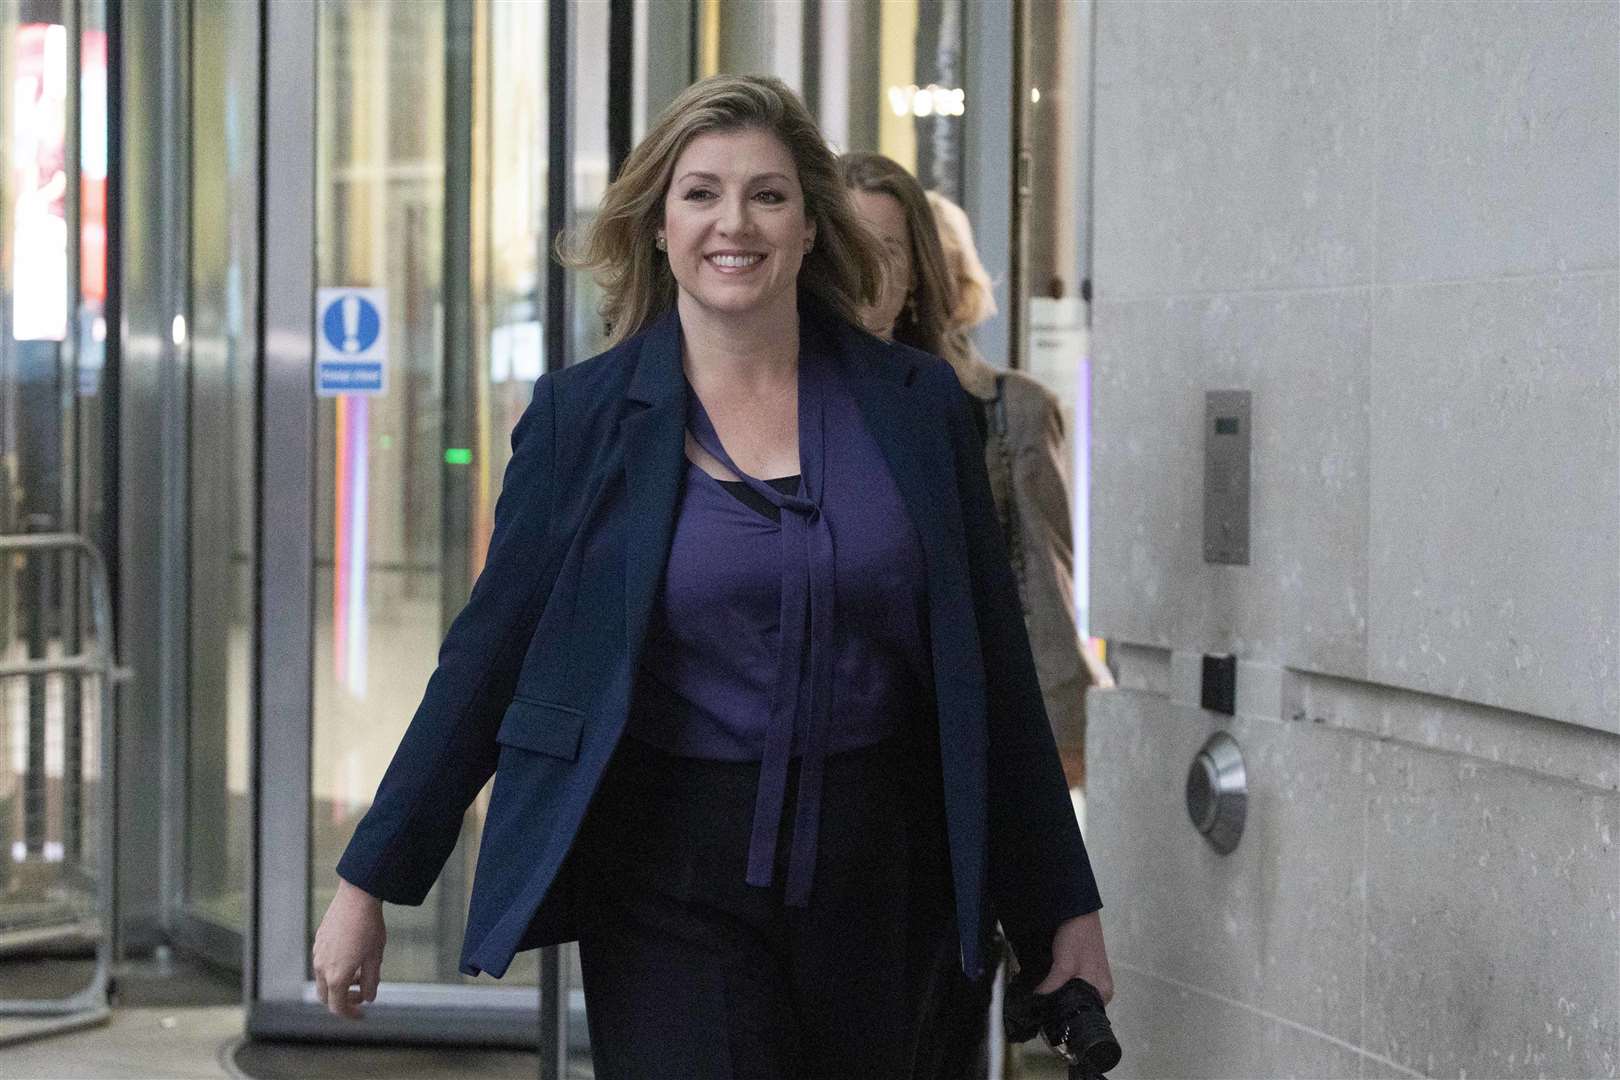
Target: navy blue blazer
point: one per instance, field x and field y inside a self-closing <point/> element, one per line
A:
<point x="535" y="676"/>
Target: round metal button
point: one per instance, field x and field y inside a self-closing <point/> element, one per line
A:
<point x="1217" y="792"/>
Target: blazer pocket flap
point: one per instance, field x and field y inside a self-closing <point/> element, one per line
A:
<point x="543" y="727"/>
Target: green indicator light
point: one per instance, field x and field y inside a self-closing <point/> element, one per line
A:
<point x="386" y="441"/>
<point x="458" y="457"/>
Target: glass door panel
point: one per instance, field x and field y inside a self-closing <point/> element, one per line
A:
<point x="431" y="158"/>
<point x="1054" y="140"/>
<point x="392" y="564"/>
<point x="52" y="159"/>
<point x="508" y="212"/>
<point x="379" y="459"/>
<point x="589" y="146"/>
<point x="223" y="390"/>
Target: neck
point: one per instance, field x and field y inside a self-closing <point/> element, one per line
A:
<point x="743" y="354"/>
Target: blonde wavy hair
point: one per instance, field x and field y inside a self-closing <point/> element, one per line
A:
<point x="975" y="292"/>
<point x="844" y="268"/>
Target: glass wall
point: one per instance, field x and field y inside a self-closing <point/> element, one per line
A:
<point x="510" y="233"/>
<point x="589" y="136"/>
<point x="53" y="108"/>
<point x="508" y="212"/>
<point x="394" y="475"/>
<point x="882" y="77"/>
<point x="892" y="78"/>
<point x="223" y="402"/>
<point x="379" y="214"/>
<point x="86" y="490"/>
<point x="33" y="427"/>
<point x="1054" y="294"/>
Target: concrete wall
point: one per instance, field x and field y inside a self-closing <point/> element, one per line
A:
<point x="1398" y="225"/>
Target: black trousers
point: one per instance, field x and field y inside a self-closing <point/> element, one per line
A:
<point x="691" y="972"/>
<point x="962" y="1018"/>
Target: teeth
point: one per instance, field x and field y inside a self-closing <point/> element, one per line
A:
<point x="735" y="260"/>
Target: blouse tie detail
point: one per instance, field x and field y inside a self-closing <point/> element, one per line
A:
<point x="802" y="691"/>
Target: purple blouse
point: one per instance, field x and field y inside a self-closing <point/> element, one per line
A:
<point x="796" y="637"/>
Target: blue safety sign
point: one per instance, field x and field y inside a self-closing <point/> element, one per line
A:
<point x="351" y="341"/>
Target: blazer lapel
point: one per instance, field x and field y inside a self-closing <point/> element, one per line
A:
<point x="654" y="454"/>
<point x="918" y="459"/>
<point x="913" y="441"/>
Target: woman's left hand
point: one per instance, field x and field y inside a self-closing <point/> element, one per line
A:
<point x="1078" y="952"/>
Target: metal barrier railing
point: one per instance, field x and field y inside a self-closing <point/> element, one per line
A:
<point x="98" y="658"/>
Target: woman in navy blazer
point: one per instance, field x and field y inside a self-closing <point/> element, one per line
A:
<point x="638" y="799"/>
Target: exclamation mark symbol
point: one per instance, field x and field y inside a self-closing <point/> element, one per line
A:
<point x="351" y="324"/>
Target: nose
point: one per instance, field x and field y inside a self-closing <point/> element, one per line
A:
<point x="735" y="215"/>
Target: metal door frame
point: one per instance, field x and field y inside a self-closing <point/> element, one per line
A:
<point x="189" y="928"/>
<point x="146" y="392"/>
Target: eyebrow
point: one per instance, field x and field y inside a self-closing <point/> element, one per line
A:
<point x="714" y="178"/>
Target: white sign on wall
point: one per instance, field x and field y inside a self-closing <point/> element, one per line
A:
<point x="1057" y="344"/>
<point x="351" y="341"/>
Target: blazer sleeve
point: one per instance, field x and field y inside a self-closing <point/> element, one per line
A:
<point x="449" y="750"/>
<point x="1038" y="874"/>
<point x="1040" y="496"/>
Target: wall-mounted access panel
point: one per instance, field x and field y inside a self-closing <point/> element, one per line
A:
<point x="1226" y="476"/>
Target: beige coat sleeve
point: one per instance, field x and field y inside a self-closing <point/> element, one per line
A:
<point x="1040" y="497"/>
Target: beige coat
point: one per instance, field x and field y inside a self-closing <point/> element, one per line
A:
<point x="1027" y="457"/>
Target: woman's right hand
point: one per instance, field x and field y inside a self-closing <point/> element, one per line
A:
<point x="348" y="951"/>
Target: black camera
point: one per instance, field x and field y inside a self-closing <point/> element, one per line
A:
<point x="1071" y="1019"/>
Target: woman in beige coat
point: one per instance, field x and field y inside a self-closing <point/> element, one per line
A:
<point x="936" y="292"/>
<point x="1028" y="455"/>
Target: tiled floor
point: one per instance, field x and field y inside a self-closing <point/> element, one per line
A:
<point x="206" y="1041"/>
<point x="178" y="1022"/>
<point x="139" y="1042"/>
<point x="293" y="1061"/>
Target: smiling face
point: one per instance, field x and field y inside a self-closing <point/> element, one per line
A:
<point x="735" y="224"/>
<point x="885" y="216"/>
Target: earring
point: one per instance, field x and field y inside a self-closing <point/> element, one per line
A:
<point x="809" y="246"/>
<point x="661" y="244"/>
<point x="911" y="306"/>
